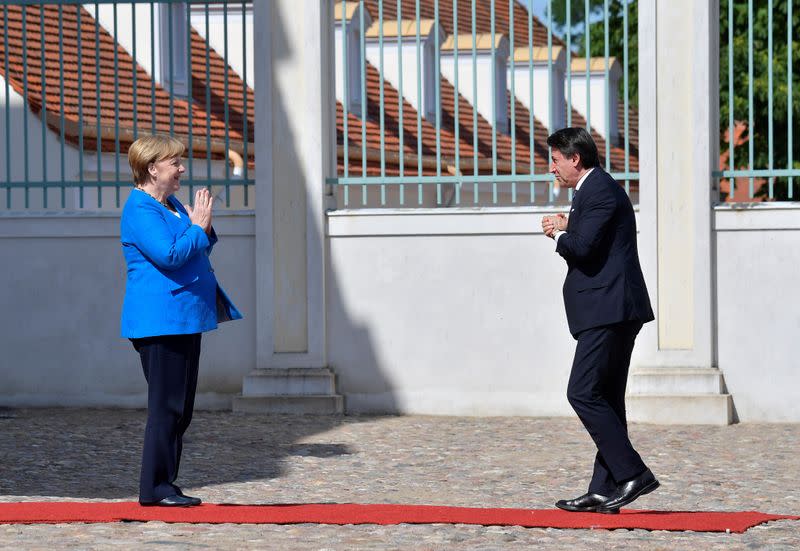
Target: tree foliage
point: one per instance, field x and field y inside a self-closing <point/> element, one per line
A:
<point x="759" y="132"/>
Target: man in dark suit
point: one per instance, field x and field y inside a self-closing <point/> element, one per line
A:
<point x="606" y="301"/>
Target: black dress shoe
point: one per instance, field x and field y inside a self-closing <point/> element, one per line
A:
<point x="583" y="504"/>
<point x="173" y="501"/>
<point x="629" y="491"/>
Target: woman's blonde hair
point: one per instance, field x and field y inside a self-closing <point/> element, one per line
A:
<point x="151" y="149"/>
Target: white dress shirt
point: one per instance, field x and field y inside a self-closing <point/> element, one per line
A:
<point x="559" y="233"/>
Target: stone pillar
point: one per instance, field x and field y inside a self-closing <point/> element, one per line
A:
<point x="675" y="378"/>
<point x="295" y="152"/>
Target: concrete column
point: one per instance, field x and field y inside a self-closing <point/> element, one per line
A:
<point x="678" y="106"/>
<point x="295" y="153"/>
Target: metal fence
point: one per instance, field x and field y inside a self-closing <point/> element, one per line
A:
<point x="758" y="76"/>
<point x="82" y="80"/>
<point x="411" y="135"/>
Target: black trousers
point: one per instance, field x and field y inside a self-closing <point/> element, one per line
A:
<point x="596" y="391"/>
<point x="170" y="364"/>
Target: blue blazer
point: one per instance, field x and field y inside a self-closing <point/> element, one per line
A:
<point x="604" y="283"/>
<point x="171" y="288"/>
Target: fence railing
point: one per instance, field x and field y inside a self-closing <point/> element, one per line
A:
<point x="449" y="102"/>
<point x="757" y="79"/>
<point x="80" y="81"/>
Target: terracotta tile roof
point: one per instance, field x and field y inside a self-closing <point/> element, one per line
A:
<point x="504" y="143"/>
<point x="428" y="135"/>
<point x="206" y="118"/>
<point x="210" y="119"/>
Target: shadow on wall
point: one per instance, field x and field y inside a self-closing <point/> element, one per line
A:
<point x="290" y="189"/>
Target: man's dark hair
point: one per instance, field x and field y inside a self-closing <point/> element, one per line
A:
<point x="573" y="140"/>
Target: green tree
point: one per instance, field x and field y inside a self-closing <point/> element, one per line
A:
<point x="759" y="133"/>
<point x="597" y="35"/>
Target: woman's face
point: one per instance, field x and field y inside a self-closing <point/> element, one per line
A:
<point x="166" y="174"/>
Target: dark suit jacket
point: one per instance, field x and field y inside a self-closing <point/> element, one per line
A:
<point x="604" y="282"/>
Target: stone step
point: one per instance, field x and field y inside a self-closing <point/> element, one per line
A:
<point x="289" y="381"/>
<point x="676" y="380"/>
<point x="308" y="404"/>
<point x="684" y="409"/>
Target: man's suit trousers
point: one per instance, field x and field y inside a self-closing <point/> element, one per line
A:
<point x="170" y="365"/>
<point x="596" y="392"/>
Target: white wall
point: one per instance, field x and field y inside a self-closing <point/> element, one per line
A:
<point x="62" y="290"/>
<point x="447" y="312"/>
<point x="435" y="311"/>
<point x="758" y="312"/>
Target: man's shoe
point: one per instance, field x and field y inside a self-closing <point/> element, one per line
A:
<point x="583" y="504"/>
<point x="629" y="491"/>
<point x="173" y="501"/>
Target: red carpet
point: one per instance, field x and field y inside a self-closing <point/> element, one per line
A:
<point x="67" y="512"/>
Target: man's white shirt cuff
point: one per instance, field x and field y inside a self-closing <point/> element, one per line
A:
<point x="558" y="234"/>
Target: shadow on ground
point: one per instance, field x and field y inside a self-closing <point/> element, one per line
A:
<point x="99" y="455"/>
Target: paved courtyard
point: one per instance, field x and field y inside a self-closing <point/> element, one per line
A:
<point x="93" y="454"/>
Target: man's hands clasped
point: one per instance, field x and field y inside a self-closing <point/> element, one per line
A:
<point x="200" y="214"/>
<point x="552" y="224"/>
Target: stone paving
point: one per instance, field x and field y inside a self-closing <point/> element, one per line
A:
<point x="93" y="454"/>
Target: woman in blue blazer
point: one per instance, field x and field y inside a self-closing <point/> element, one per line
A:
<point x="171" y="298"/>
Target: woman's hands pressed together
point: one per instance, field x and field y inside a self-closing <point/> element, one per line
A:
<point x="200" y="214"/>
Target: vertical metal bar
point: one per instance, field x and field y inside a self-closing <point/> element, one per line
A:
<point x="345" y="114"/>
<point x="363" y="76"/>
<point x="456" y="122"/>
<point x="569" y="63"/>
<point x="26" y="101"/>
<point x="7" y="106"/>
<point x="789" y="43"/>
<point x="171" y="54"/>
<point x="116" y="108"/>
<point x="190" y="96"/>
<point x="608" y="90"/>
<point x="244" y="99"/>
<point x="400" y="95"/>
<point x="731" y="147"/>
<point x="98" y="105"/>
<point x="437" y="87"/>
<point x="78" y="10"/>
<point x="61" y="98"/>
<point x="227" y="106"/>
<point x="207" y="47"/>
<point x="153" y="67"/>
<point x="474" y="108"/>
<point x="588" y="58"/>
<point x="380" y="100"/>
<point x="625" y="96"/>
<point x="550" y="94"/>
<point x="135" y="75"/>
<point x="420" y="104"/>
<point x="44" y="103"/>
<point x="513" y="99"/>
<point x="751" y="122"/>
<point x="771" y="179"/>
<point x="531" y="156"/>
<point x="494" y="106"/>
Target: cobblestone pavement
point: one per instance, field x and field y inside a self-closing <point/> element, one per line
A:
<point x="91" y="454"/>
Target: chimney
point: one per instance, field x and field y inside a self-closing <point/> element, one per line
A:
<point x="548" y="93"/>
<point x="425" y="80"/>
<point x="482" y="73"/>
<point x="603" y="100"/>
<point x="351" y="32"/>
